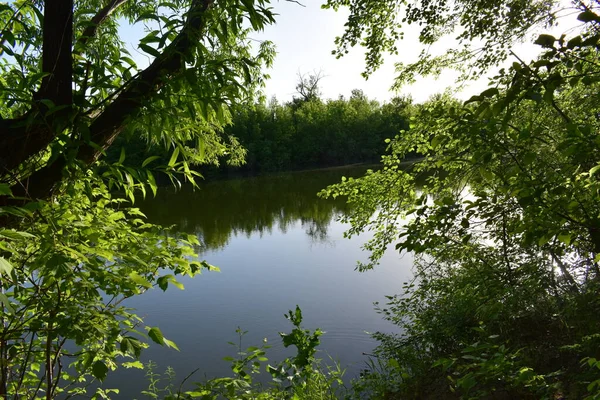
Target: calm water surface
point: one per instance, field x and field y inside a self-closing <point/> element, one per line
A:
<point x="278" y="245"/>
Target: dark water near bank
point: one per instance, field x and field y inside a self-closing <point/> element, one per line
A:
<point x="277" y="245"/>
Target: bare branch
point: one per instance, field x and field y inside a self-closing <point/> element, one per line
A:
<point x="308" y="86"/>
<point x="295" y="1"/>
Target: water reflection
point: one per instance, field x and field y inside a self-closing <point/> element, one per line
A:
<point x="277" y="245"/>
<point x="219" y="210"/>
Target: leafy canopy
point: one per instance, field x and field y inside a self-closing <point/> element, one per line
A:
<point x="501" y="215"/>
<point x="69" y="85"/>
<point x="71" y="253"/>
<point x="485" y="30"/>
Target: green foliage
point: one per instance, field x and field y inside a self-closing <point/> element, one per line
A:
<point x="68" y="88"/>
<point x="501" y="215"/>
<point x="314" y="133"/>
<point x="485" y="31"/>
<point x="64" y="281"/>
<point x="593" y="387"/>
<point x="296" y="135"/>
<point x="201" y="63"/>
<point x="299" y="377"/>
<point x="305" y="342"/>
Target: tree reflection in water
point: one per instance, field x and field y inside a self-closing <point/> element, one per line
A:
<point x="220" y="209"/>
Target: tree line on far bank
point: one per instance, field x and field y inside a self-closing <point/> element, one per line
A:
<point x="307" y="132"/>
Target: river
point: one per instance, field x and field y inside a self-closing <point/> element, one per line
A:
<point x="277" y="245"/>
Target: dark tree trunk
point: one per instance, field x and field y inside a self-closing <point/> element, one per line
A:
<point x="26" y="136"/>
<point x="57" y="57"/>
<point x="113" y="119"/>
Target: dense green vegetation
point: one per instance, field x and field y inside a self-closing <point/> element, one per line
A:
<point x="505" y="231"/>
<point x="297" y="135"/>
<point x="505" y="299"/>
<point x="316" y="133"/>
<point x="70" y="252"/>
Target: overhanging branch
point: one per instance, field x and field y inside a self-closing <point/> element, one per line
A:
<point x="96" y="21"/>
<point x="111" y="122"/>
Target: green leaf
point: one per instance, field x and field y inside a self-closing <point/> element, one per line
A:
<point x="247" y="75"/>
<point x="5" y="189"/>
<point x="133" y="364"/>
<point x="6" y="303"/>
<point x="170" y="344"/>
<point x="163" y="283"/>
<point x="99" y="370"/>
<point x="156" y="335"/>
<point x="140" y="280"/>
<point x="15" y="235"/>
<point x="588" y="16"/>
<point x="149" y="160"/>
<point x="5" y="267"/>
<point x="574" y="42"/>
<point x="131" y="345"/>
<point x="152" y="182"/>
<point x="129" y="61"/>
<point x="174" y="156"/>
<point x="176" y="283"/>
<point x="490" y="92"/>
<point x="546" y="41"/>
<point x="543" y="240"/>
<point x="209" y="267"/>
<point x="149" y="49"/>
<point x="565" y="238"/>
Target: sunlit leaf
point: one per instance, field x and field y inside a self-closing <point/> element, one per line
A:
<point x="156" y="335"/>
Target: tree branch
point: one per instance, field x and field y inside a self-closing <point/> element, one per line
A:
<point x="21" y="138"/>
<point x="96" y="21"/>
<point x="111" y="122"/>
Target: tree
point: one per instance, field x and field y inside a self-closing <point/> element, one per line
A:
<point x="70" y="252"/>
<point x="485" y="30"/>
<point x="501" y="215"/>
<point x="70" y="89"/>
<point x="308" y="86"/>
<point x="70" y="107"/>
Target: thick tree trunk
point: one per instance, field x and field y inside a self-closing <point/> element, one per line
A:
<point x="24" y="137"/>
<point x="57" y="56"/>
<point x="113" y="119"/>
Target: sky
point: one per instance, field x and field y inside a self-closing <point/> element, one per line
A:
<point x="304" y="37"/>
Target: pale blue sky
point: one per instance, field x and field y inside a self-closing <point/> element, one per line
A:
<point x="304" y="37"/>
